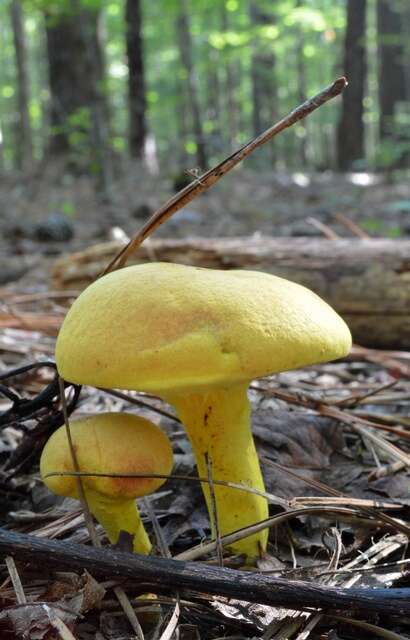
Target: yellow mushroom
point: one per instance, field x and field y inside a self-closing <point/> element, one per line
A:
<point x="197" y="337"/>
<point x="117" y="443"/>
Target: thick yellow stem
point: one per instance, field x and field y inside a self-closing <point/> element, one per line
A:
<point x="218" y="423"/>
<point x="119" y="515"/>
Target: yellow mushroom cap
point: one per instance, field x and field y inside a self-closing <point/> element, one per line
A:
<point x="108" y="443"/>
<point x="163" y="327"/>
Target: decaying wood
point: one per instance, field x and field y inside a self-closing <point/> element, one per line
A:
<point x="366" y="280"/>
<point x="164" y="573"/>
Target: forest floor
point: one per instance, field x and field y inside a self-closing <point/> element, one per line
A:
<point x="43" y="208"/>
<point x="334" y="436"/>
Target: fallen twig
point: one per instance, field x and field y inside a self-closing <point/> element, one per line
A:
<point x="211" y="177"/>
<point x="162" y="573"/>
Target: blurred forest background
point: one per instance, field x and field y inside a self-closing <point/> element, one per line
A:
<point x="105" y="103"/>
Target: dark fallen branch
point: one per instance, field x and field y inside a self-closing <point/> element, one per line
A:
<point x="161" y="573"/>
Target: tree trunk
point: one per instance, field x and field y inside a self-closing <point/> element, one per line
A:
<point x="182" y="119"/>
<point x="232" y="80"/>
<point x="136" y="82"/>
<point x="24" y="147"/>
<point x="350" y="134"/>
<point x="301" y="89"/>
<point x="392" y="70"/>
<point x="366" y="281"/>
<point x="185" y="49"/>
<point x="262" y="70"/>
<point x="79" y="111"/>
<point x="213" y="107"/>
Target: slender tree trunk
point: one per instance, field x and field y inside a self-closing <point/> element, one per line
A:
<point x="232" y="108"/>
<point x="392" y="68"/>
<point x="79" y="110"/>
<point x="392" y="84"/>
<point x="301" y="90"/>
<point x="182" y="118"/>
<point x="262" y="78"/>
<point x="185" y="48"/>
<point x="136" y="81"/>
<point x="1" y="147"/>
<point x="262" y="71"/>
<point x="350" y="134"/>
<point x="213" y="111"/>
<point x="24" y="139"/>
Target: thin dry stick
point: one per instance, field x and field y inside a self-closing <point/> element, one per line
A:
<point x="393" y="522"/>
<point x="15" y="580"/>
<point x="211" y="177"/>
<point x="219" y="547"/>
<point x="89" y="523"/>
<point x="119" y="592"/>
<point x="58" y="624"/>
<point x="202" y="549"/>
<point x="139" y="403"/>
<point x="323" y="228"/>
<point x="272" y="499"/>
<point x="352" y="226"/>
<point x="165" y="552"/>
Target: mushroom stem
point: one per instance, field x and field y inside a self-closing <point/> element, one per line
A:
<point x="218" y="423"/>
<point x="119" y="515"/>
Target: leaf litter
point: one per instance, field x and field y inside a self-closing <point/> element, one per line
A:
<point x="306" y="456"/>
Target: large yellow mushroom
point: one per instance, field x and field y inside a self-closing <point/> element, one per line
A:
<point x="117" y="443"/>
<point x="197" y="337"/>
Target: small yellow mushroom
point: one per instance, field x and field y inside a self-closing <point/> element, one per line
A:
<point x="118" y="443"/>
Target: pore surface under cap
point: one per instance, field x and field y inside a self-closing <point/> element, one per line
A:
<point x="165" y="327"/>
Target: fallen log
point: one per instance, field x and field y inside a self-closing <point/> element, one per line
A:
<point x="366" y="280"/>
<point x="162" y="573"/>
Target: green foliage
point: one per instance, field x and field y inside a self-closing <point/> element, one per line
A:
<point x="302" y="41"/>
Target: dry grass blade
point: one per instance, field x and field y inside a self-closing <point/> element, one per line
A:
<point x="219" y="546"/>
<point x="374" y="554"/>
<point x="200" y="550"/>
<point x="323" y="228"/>
<point x="60" y="626"/>
<point x="352" y="226"/>
<point x="172" y="624"/>
<point x="15" y="580"/>
<point x="211" y="177"/>
<point x="272" y="499"/>
<point x="345" y="501"/>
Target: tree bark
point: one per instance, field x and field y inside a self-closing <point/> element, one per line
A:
<point x="231" y="81"/>
<point x="198" y="577"/>
<point x="79" y="110"/>
<point x="185" y="49"/>
<point x="24" y="147"/>
<point x="391" y="70"/>
<point x="366" y="281"/>
<point x="262" y="70"/>
<point x="350" y="133"/>
<point x="136" y="78"/>
<point x="301" y="88"/>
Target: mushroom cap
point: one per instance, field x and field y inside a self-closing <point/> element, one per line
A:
<point x="108" y="443"/>
<point x="163" y="327"/>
